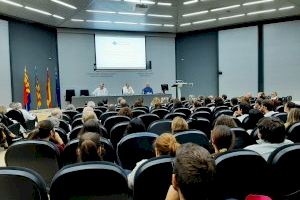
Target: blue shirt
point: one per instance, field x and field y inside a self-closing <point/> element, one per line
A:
<point x="147" y="90"/>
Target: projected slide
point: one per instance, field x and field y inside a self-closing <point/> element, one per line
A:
<point x="120" y="52"/>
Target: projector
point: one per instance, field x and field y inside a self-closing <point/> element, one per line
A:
<point x="141" y="7"/>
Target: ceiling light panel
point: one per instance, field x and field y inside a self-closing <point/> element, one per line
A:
<point x="205" y="21"/>
<point x="195" y="13"/>
<point x="131" y="13"/>
<point x="257" y="2"/>
<point x="64" y="4"/>
<point x="101" y="11"/>
<point x="11" y="3"/>
<point x="261" y="12"/>
<point x="164" y="4"/>
<point x="225" y="8"/>
<point x="159" y="16"/>
<point x="58" y="17"/>
<point x="77" y="20"/>
<point x="98" y="21"/>
<point x="190" y="2"/>
<point x="232" y="16"/>
<point x="286" y="8"/>
<point x="38" y="10"/>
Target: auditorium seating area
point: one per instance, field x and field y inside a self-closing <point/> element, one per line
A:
<point x="239" y="172"/>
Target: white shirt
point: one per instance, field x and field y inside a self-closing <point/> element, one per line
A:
<point x="127" y="90"/>
<point x="130" y="177"/>
<point x="99" y="92"/>
<point x="242" y="117"/>
<point x="269" y="114"/>
<point x="27" y="115"/>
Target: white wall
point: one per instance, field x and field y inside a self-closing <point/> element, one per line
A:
<point x="238" y="60"/>
<point x="282" y="58"/>
<point x="76" y="55"/>
<point x="5" y="77"/>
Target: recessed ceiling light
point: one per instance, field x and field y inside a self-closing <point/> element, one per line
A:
<point x="164" y="4"/>
<point x="190" y="2"/>
<point x="225" y="8"/>
<point x="148" y="24"/>
<point x="58" y="17"/>
<point x="205" y="21"/>
<point x="98" y="21"/>
<point x="195" y="13"/>
<point x="169" y="25"/>
<point x="77" y="20"/>
<point x="185" y="24"/>
<point x="129" y="13"/>
<point x="64" y="4"/>
<point x="261" y="12"/>
<point x="232" y="16"/>
<point x="157" y="15"/>
<point x="139" y="1"/>
<point x="257" y="2"/>
<point x="11" y="3"/>
<point x="38" y="10"/>
<point x="101" y="11"/>
<point x="129" y="23"/>
<point x="286" y="8"/>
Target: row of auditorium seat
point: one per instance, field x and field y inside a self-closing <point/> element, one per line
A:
<point x="238" y="173"/>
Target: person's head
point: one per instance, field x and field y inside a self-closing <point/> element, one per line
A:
<point x="70" y="107"/>
<point x="207" y="100"/>
<point x="224" y="97"/>
<point x="88" y="115"/>
<point x="271" y="129"/>
<point x="86" y="109"/>
<point x="293" y="116"/>
<point x="245" y="100"/>
<point x="225" y="120"/>
<point x="147" y="84"/>
<point x="197" y="104"/>
<point x="274" y="95"/>
<point x="119" y="100"/>
<point x="261" y="95"/>
<point x="267" y="105"/>
<point x="91" y="125"/>
<point x="222" y="138"/>
<point x="257" y="104"/>
<point x="57" y="113"/>
<point x="138" y="103"/>
<point x="90" y="148"/>
<point x="234" y="101"/>
<point x="111" y="107"/>
<point x="125" y="111"/>
<point x="177" y="103"/>
<point x="219" y="101"/>
<point x="288" y="106"/>
<point x="254" y="116"/>
<point x="127" y="85"/>
<point x="248" y="95"/>
<point x="156" y="103"/>
<point x="44" y="130"/>
<point x="123" y="103"/>
<point x="91" y="104"/>
<point x="179" y="124"/>
<point x="194" y="172"/>
<point x="3" y="109"/>
<point x="135" y="125"/>
<point x="166" y="144"/>
<point x="18" y="105"/>
<point x="244" y="108"/>
<point x="101" y="86"/>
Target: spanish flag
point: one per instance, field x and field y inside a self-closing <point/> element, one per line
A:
<point x="48" y="90"/>
<point x="38" y="91"/>
<point x="26" y="90"/>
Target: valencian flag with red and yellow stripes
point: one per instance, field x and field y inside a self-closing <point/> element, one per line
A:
<point x="48" y="90"/>
<point x="38" y="91"/>
<point x="26" y="90"/>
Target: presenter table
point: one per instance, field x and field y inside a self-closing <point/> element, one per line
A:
<point x="80" y="101"/>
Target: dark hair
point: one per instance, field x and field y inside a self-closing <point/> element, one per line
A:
<point x="138" y="103"/>
<point x="197" y="104"/>
<point x="254" y="116"/>
<point x="245" y="107"/>
<point x="271" y="129"/>
<point x="207" y="101"/>
<point x="290" y="105"/>
<point x="91" y="125"/>
<point x="135" y="125"/>
<point x="219" y="101"/>
<point x="269" y="104"/>
<point x="234" y="101"/>
<point x="88" y="145"/>
<point x="225" y="120"/>
<point x="177" y="104"/>
<point x="125" y="111"/>
<point x="194" y="171"/>
<point x="224" y="96"/>
<point x="43" y="130"/>
<point x="223" y="137"/>
<point x="259" y="101"/>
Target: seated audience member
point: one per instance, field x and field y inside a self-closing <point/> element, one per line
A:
<point x="242" y="112"/>
<point x="267" y="107"/>
<point x="91" y="125"/>
<point x="257" y="104"/>
<point x="219" y="102"/>
<point x="111" y="107"/>
<point x="254" y="116"/>
<point x="147" y="89"/>
<point x="135" y="125"/>
<point x="3" y="118"/>
<point x="55" y="116"/>
<point x="261" y="95"/>
<point x="248" y="95"/>
<point x="193" y="175"/>
<point x="196" y="104"/>
<point x="100" y="90"/>
<point x="177" y="104"/>
<point x="100" y="103"/>
<point x="27" y="115"/>
<point x="138" y="103"/>
<point x="123" y="103"/>
<point x="90" y="147"/>
<point x="127" y="90"/>
<point x="207" y="100"/>
<point x="271" y="134"/>
<point x="88" y="115"/>
<point x="292" y="118"/>
<point x="222" y="139"/>
<point x="6" y="136"/>
<point x="125" y="111"/>
<point x="274" y="95"/>
<point x="224" y="97"/>
<point x="87" y="108"/>
<point x="165" y="144"/>
<point x="245" y="100"/>
<point x="45" y="131"/>
<point x="178" y="125"/>
<point x="91" y="104"/>
<point x="288" y="106"/>
<point x="225" y="120"/>
<point x="70" y="107"/>
<point x="234" y="101"/>
<point x="155" y="103"/>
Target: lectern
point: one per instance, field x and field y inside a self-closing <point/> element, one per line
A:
<point x="178" y="85"/>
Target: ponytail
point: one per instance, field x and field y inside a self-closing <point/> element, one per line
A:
<point x="88" y="151"/>
<point x="166" y="144"/>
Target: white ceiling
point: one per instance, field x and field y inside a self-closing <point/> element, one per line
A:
<point x="173" y="21"/>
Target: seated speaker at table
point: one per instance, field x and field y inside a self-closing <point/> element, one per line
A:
<point x="100" y="90"/>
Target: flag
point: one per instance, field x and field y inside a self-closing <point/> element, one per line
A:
<point x="48" y="90"/>
<point x="26" y="90"/>
<point x="38" y="91"/>
<point x="57" y="90"/>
